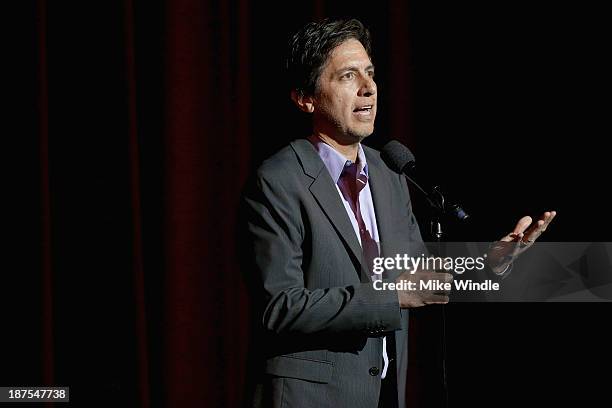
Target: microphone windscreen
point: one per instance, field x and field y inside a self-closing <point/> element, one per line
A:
<point x="396" y="156"/>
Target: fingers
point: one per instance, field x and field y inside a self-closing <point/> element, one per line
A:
<point x="436" y="299"/>
<point x="429" y="275"/>
<point x="522" y="225"/>
<point x="526" y="232"/>
<point x="519" y="230"/>
<point x="444" y="285"/>
<point x="547" y="218"/>
<point x="428" y="288"/>
<point x="538" y="228"/>
<point x="446" y="277"/>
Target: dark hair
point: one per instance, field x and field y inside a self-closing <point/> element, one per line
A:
<point x="309" y="48"/>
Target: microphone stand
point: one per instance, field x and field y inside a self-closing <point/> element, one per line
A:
<point x="440" y="210"/>
<point x="436" y="219"/>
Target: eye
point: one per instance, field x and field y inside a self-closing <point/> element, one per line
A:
<point x="371" y="74"/>
<point x="348" y="75"/>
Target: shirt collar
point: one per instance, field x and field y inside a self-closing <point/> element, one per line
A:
<point x="335" y="161"/>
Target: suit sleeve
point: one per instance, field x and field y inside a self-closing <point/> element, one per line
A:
<point x="276" y="230"/>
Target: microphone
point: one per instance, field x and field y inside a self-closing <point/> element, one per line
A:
<point x="401" y="160"/>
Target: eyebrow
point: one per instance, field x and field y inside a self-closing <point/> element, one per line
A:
<point x="354" y="68"/>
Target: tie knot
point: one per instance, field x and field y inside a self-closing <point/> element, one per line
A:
<point x="350" y="167"/>
<point x="351" y="180"/>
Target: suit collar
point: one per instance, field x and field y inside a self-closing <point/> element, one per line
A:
<point x="334" y="161"/>
<point x="325" y="193"/>
<point x="307" y="155"/>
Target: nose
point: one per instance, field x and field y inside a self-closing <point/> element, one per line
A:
<point x="368" y="86"/>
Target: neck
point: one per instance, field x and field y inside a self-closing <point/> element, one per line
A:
<point x="347" y="150"/>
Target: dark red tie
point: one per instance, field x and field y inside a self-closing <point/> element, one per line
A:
<point x="351" y="184"/>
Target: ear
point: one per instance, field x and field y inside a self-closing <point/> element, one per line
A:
<point x="305" y="103"/>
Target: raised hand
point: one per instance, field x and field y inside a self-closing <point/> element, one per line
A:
<point x="510" y="246"/>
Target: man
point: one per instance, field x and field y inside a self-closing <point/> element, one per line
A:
<point x="320" y="210"/>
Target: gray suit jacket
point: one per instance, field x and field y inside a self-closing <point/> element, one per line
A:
<point x="319" y="321"/>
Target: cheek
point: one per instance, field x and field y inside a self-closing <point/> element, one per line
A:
<point x="343" y="104"/>
<point x="335" y="105"/>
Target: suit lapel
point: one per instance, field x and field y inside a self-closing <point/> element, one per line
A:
<point x="324" y="191"/>
<point x="380" y="197"/>
<point x="381" y="193"/>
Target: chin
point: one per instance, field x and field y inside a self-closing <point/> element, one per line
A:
<point x="361" y="133"/>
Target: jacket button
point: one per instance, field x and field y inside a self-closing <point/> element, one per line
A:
<point x="374" y="371"/>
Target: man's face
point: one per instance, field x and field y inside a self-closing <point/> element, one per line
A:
<point x="345" y="96"/>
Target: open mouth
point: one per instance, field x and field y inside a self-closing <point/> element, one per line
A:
<point x="363" y="110"/>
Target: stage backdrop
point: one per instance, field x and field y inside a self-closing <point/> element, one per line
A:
<point x="143" y="120"/>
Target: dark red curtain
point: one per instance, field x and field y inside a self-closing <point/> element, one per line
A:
<point x="143" y="121"/>
<point x="148" y="117"/>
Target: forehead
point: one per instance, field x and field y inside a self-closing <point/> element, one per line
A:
<point x="350" y="53"/>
